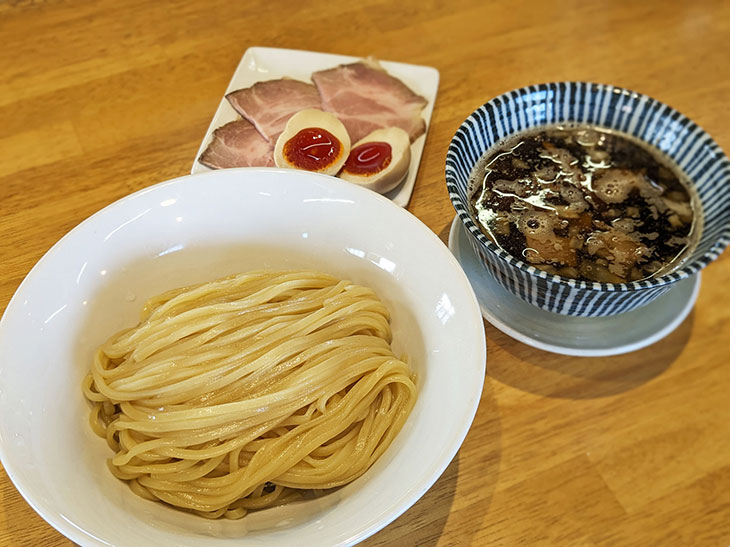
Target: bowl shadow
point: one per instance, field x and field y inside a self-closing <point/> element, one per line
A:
<point x="553" y="375"/>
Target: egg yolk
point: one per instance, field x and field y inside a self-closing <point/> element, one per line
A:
<point x="312" y="149"/>
<point x="369" y="158"/>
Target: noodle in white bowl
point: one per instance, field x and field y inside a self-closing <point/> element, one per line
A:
<point x="240" y="393"/>
<point x="186" y="232"/>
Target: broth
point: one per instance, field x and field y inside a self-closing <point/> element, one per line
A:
<point x="585" y="203"/>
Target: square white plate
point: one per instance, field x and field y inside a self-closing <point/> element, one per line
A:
<point x="264" y="63"/>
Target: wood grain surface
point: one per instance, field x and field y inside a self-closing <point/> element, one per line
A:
<point x="100" y="99"/>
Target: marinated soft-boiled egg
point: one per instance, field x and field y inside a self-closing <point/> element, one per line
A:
<point x="380" y="160"/>
<point x="313" y="140"/>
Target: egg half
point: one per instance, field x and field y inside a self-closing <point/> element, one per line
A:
<point x="380" y="160"/>
<point x="313" y="140"/>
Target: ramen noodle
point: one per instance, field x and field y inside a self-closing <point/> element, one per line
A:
<point x="250" y="391"/>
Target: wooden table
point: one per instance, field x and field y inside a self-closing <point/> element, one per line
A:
<point x="99" y="99"/>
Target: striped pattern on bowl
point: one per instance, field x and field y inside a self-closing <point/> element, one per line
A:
<point x="702" y="160"/>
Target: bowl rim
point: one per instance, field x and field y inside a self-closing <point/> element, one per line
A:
<point x="686" y="270"/>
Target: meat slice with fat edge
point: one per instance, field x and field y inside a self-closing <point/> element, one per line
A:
<point x="268" y="105"/>
<point x="365" y="98"/>
<point x="237" y="144"/>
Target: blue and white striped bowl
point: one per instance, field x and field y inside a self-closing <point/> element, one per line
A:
<point x="707" y="168"/>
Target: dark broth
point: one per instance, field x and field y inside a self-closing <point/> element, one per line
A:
<point x="585" y="203"/>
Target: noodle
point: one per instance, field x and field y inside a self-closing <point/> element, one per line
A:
<point x="248" y="391"/>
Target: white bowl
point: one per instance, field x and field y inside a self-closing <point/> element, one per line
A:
<point x="93" y="282"/>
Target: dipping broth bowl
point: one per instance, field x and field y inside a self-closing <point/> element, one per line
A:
<point x="705" y="165"/>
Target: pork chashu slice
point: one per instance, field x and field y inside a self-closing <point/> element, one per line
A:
<point x="268" y="105"/>
<point x="365" y="98"/>
<point x="237" y="144"/>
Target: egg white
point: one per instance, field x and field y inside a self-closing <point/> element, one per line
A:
<point x="390" y="177"/>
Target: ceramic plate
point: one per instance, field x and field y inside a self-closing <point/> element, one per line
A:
<point x="263" y="63"/>
<point x="581" y="336"/>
